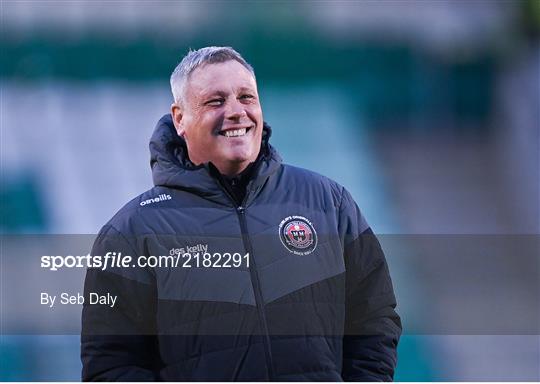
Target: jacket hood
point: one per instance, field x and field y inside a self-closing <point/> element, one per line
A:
<point x="172" y="168"/>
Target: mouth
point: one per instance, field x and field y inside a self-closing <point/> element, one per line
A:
<point x="239" y="132"/>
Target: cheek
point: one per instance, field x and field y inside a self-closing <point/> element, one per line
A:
<point x="195" y="129"/>
<point x="210" y="122"/>
<point x="200" y="137"/>
<point x="255" y="110"/>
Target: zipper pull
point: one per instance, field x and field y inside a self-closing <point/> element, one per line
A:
<point x="241" y="209"/>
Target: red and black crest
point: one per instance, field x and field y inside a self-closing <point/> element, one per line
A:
<point x="298" y="235"/>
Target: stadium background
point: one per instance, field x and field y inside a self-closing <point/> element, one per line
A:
<point x="428" y="112"/>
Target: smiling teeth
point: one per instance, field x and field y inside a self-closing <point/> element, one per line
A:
<point x="236" y="132"/>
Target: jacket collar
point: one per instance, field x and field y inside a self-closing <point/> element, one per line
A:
<point x="172" y="168"/>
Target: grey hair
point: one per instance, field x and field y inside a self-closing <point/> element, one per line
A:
<point x="197" y="58"/>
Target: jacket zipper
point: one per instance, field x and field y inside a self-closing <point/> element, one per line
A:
<point x="256" y="285"/>
<point x="241" y="212"/>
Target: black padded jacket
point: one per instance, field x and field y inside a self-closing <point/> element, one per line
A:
<point x="290" y="285"/>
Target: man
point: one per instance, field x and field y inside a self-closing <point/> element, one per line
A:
<point x="280" y="277"/>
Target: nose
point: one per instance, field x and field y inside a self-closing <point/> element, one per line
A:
<point x="235" y="111"/>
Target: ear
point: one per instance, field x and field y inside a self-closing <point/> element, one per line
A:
<point x="177" y="114"/>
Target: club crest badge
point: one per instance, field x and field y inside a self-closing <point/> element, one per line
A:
<point x="298" y="235"/>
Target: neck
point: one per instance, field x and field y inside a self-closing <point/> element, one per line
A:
<point x="231" y="170"/>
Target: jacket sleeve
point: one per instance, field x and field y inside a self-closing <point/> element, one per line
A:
<point x="372" y="326"/>
<point x="119" y="343"/>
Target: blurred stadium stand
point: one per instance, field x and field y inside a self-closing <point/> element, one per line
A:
<point x="428" y="112"/>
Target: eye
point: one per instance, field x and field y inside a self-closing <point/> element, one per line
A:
<point x="246" y="96"/>
<point x="215" y="102"/>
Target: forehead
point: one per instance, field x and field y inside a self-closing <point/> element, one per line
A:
<point x="223" y="77"/>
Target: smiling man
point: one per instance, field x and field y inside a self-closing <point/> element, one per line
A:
<point x="266" y="271"/>
<point x="219" y="115"/>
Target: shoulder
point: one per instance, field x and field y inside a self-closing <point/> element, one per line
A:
<point x="309" y="183"/>
<point x="133" y="216"/>
<point x="312" y="181"/>
<point x="311" y="177"/>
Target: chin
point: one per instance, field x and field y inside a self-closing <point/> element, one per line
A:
<point x="240" y="157"/>
<point x="238" y="161"/>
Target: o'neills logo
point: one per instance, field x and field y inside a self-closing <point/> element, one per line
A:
<point x="298" y="235"/>
<point x="162" y="197"/>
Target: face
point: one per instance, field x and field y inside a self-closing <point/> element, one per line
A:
<point x="221" y="117"/>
